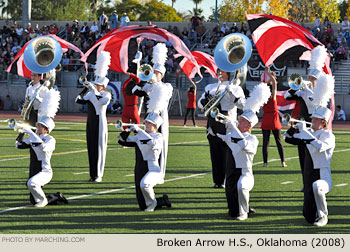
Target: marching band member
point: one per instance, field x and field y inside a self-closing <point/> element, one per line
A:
<point x="319" y="144"/>
<point x="157" y="96"/>
<point x="318" y="57"/>
<point x="97" y="99"/>
<point x="271" y="119"/>
<point x="243" y="146"/>
<point x="32" y="92"/>
<point x="41" y="146"/>
<point x="228" y="106"/>
<point x="149" y="145"/>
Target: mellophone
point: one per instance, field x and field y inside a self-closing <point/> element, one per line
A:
<point x="119" y="125"/>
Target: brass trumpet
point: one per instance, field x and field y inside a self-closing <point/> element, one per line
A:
<point x="295" y="81"/>
<point x="13" y="124"/>
<point x="119" y="124"/>
<point x="287" y="118"/>
<point x="215" y="113"/>
<point x="83" y="80"/>
<point x="145" y="72"/>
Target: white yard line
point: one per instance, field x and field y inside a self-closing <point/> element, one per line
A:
<point x="287" y="182"/>
<point x="342" y="184"/>
<point x="78" y="173"/>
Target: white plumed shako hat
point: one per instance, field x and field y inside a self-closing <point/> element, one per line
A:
<point x="154" y="118"/>
<point x="251" y="117"/>
<point x="159" y="57"/>
<point x="101" y="68"/>
<point x="318" y="57"/>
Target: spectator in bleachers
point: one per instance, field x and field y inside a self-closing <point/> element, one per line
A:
<point x="114" y="20"/>
<point x="75" y="26"/>
<point x="234" y="28"/>
<point x="37" y="29"/>
<point x="224" y="28"/>
<point x="340" y="114"/>
<point x="326" y="22"/>
<point x="244" y="29"/>
<point x="103" y="21"/>
<point x="346" y="36"/>
<point x="124" y="20"/>
<point x="85" y="29"/>
<point x="193" y="36"/>
<point x="345" y="24"/>
<point x="317" y="22"/>
<point x="340" y="53"/>
<point x="8" y="103"/>
<point x="170" y="29"/>
<point x="187" y="42"/>
<point x="201" y="30"/>
<point x="184" y="32"/>
<point x="176" y="31"/>
<point x="16" y="47"/>
<point x="195" y="20"/>
<point x="19" y="31"/>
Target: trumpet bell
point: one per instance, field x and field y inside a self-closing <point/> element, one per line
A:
<point x="118" y="124"/>
<point x="286" y="118"/>
<point x="295" y="81"/>
<point x="232" y="52"/>
<point x="145" y="72"/>
<point x="42" y="54"/>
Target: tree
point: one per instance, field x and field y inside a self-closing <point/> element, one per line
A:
<point x="278" y="8"/>
<point x="343" y="8"/>
<point x="235" y="10"/>
<point x="157" y="11"/>
<point x="13" y="9"/>
<point x="196" y="2"/>
<point x="133" y="8"/>
<point x="301" y="11"/>
<point x="328" y="8"/>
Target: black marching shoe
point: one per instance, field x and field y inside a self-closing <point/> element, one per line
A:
<point x="163" y="201"/>
<point x="219" y="186"/>
<point x="251" y="211"/>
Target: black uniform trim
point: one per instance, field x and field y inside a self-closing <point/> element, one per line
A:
<point x="92" y="135"/>
<point x="232" y="176"/>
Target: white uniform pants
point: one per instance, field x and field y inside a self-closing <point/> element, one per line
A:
<point x="152" y="178"/>
<point x="320" y="188"/>
<point x="244" y="185"/>
<point x="35" y="183"/>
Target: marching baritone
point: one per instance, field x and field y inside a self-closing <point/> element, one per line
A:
<point x="97" y="99"/>
<point x="228" y="106"/>
<point x="149" y="145"/>
<point x="317" y="180"/>
<point x="34" y="91"/>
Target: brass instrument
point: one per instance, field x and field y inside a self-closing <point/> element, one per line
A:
<point x="295" y="81"/>
<point x="13" y="124"/>
<point x="42" y="55"/>
<point x="83" y="80"/>
<point x="215" y="113"/>
<point x="119" y="125"/>
<point x="287" y="118"/>
<point x="231" y="54"/>
<point x="145" y="72"/>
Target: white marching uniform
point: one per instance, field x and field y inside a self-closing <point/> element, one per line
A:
<point x="228" y="106"/>
<point x="320" y="145"/>
<point x="243" y="147"/>
<point x="306" y="94"/>
<point x="154" y="91"/>
<point x="43" y="146"/>
<point x="96" y="130"/>
<point x="321" y="150"/>
<point x="32" y="91"/>
<point x="151" y="146"/>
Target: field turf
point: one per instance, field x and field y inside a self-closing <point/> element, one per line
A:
<point x="111" y="207"/>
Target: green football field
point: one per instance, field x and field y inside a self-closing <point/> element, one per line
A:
<point x="111" y="207"/>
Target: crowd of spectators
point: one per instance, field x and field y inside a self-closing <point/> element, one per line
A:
<point x="13" y="36"/>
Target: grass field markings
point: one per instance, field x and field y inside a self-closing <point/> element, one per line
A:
<point x="6" y="156"/>
<point x="287" y="182"/>
<point x="72" y="123"/>
<point x="15" y="208"/>
<point x="71" y="139"/>
<point x="202" y="141"/>
<point x="339" y="185"/>
<point x="79" y="173"/>
<point x="129" y="175"/>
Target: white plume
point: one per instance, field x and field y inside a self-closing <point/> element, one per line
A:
<point x="258" y="97"/>
<point x="102" y="64"/>
<point x="159" y="97"/>
<point x="159" y="55"/>
<point x="318" y="57"/>
<point x="323" y="90"/>
<point x="50" y="104"/>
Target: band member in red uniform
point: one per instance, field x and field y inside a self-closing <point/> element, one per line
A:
<point x="271" y="119"/>
<point x="191" y="104"/>
<point x="130" y="112"/>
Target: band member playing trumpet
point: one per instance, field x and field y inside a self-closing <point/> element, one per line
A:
<point x="97" y="99"/>
<point x="227" y="106"/>
<point x="243" y="146"/>
<point x="271" y="119"/>
<point x="317" y="180"/>
<point x="149" y="145"/>
<point x="304" y="93"/>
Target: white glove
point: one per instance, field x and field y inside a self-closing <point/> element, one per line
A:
<point x="27" y="130"/>
<point x="236" y="91"/>
<point x="228" y="123"/>
<point x="135" y="128"/>
<point x="301" y="126"/>
<point x="138" y="57"/>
